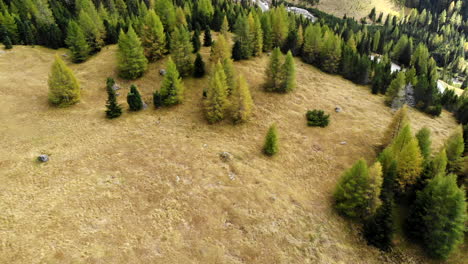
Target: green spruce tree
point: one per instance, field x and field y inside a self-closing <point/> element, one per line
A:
<point x="271" y="146"/>
<point x="198" y="67"/>
<point x="152" y="37"/>
<point x="113" y="110"/>
<point x="181" y="50"/>
<point x="76" y="42"/>
<point x="135" y="103"/>
<point x="172" y="89"/>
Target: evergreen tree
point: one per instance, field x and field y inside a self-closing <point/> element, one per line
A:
<point x="399" y="120"/>
<point x="273" y="71"/>
<point x="172" y="89"/>
<point x="132" y="61"/>
<point x="216" y="102"/>
<point x="256" y="35"/>
<point x="455" y="147"/>
<point x="271" y="146"/>
<point x="351" y="192"/>
<point x="207" y="40"/>
<point x="114" y="110"/>
<point x="153" y="37"/>
<point x="181" y="50"/>
<point x="196" y="41"/>
<point x="267" y="32"/>
<point x="439" y="164"/>
<point x="312" y="43"/>
<point x="134" y="100"/>
<point x="288" y="74"/>
<point x="76" y="42"/>
<point x="64" y="89"/>
<point x="167" y="13"/>
<point x="205" y="11"/>
<point x="236" y="51"/>
<point x="378" y="230"/>
<point x="7" y="42"/>
<point x="198" y="67"/>
<point x="242" y="102"/>
<point x="243" y="37"/>
<point x="438" y="216"/>
<point x="279" y="25"/>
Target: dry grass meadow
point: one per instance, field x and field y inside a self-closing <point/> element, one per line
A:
<point x="356" y="8"/>
<point x="149" y="187"/>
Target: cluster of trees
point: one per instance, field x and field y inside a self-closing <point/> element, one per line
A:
<point x="228" y="93"/>
<point x="280" y="73"/>
<point x="407" y="173"/>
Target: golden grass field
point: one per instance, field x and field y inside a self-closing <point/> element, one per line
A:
<point x="356" y="8"/>
<point x="149" y="187"/>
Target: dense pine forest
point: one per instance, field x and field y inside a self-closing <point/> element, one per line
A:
<point x="428" y="43"/>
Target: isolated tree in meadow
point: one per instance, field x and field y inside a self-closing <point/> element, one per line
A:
<point x="273" y="71"/>
<point x="271" y="146"/>
<point x="242" y="102"/>
<point x="196" y="41"/>
<point x="132" y="61"/>
<point x="113" y="109"/>
<point x="351" y="193"/>
<point x="153" y="37"/>
<point x="288" y="74"/>
<point x="207" y="40"/>
<point x="135" y="103"/>
<point x="424" y="142"/>
<point x="438" y="216"/>
<point x="181" y="50"/>
<point x="7" y="42"/>
<point x="64" y="89"/>
<point x="198" y="67"/>
<point x="76" y="42"/>
<point x="172" y="88"/>
<point x="216" y="102"/>
<point x="455" y="147"/>
<point x="399" y="120"/>
<point x="220" y="50"/>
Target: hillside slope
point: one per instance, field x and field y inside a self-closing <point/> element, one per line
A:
<point x="355" y="8"/>
<point x="150" y="187"/>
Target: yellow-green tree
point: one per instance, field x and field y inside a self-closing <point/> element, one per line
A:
<point x="153" y="37"/>
<point x="132" y="61"/>
<point x="220" y="50"/>
<point x="230" y="72"/>
<point x="408" y="157"/>
<point x="181" y="50"/>
<point x="216" y="102"/>
<point x="375" y="188"/>
<point x="172" y="88"/>
<point x="64" y="89"/>
<point x="242" y="102"/>
<point x="399" y="120"/>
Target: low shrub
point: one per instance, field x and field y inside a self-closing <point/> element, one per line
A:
<point x="317" y="118"/>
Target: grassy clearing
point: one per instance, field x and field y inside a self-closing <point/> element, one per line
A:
<point x="357" y="8"/>
<point x="150" y="187"/>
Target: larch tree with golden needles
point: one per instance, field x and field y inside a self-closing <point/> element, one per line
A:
<point x="225" y="28"/>
<point x="273" y="71"/>
<point x="153" y="37"/>
<point x="242" y="102"/>
<point x="399" y="120"/>
<point x="230" y="72"/>
<point x="409" y="159"/>
<point x="64" y="89"/>
<point x="216" y="102"/>
<point x="375" y="187"/>
<point x="220" y="50"/>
